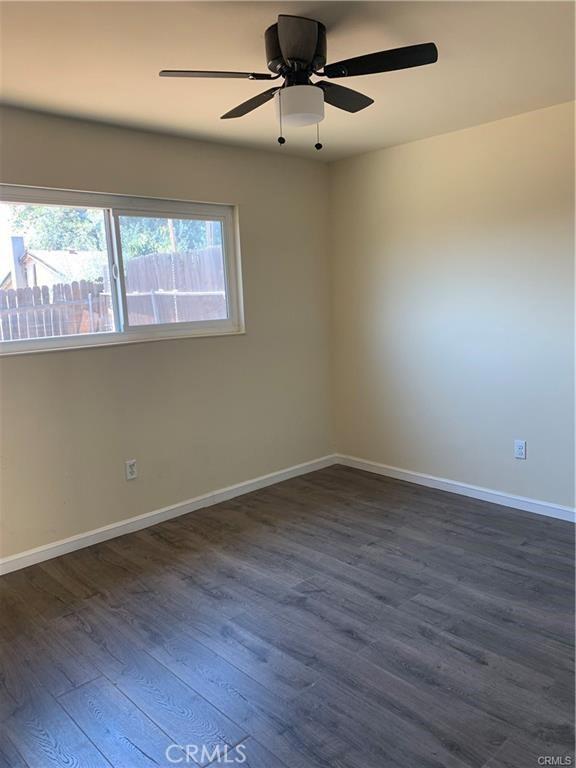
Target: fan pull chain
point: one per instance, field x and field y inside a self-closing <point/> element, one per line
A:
<point x="318" y="145"/>
<point x="281" y="139"/>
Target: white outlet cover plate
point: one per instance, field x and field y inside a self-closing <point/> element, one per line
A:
<point x="519" y="449"/>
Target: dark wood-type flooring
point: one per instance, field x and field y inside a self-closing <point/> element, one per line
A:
<point x="338" y="619"/>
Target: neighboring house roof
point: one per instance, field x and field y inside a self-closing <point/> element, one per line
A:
<point x="65" y="266"/>
<point x="71" y="265"/>
<point x="34" y="257"/>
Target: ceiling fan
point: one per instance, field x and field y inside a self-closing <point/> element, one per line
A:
<point x="296" y="51"/>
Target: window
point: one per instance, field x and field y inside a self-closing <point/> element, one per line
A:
<point x="81" y="269"/>
<point x="173" y="270"/>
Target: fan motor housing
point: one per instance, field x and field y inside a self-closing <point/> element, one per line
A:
<point x="276" y="62"/>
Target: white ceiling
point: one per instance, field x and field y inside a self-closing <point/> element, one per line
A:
<point x="101" y="60"/>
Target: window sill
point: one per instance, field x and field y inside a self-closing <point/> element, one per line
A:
<point x="71" y="343"/>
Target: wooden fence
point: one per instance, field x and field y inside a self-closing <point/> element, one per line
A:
<point x="195" y="271"/>
<point x="152" y="297"/>
<point x="176" y="287"/>
<point x="58" y="310"/>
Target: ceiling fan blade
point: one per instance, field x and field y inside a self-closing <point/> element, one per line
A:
<point x="201" y="73"/>
<point x="248" y="106"/>
<point x="297" y="37"/>
<point x="384" y="61"/>
<point x="344" y="98"/>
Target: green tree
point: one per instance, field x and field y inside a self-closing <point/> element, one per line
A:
<point x="142" y="235"/>
<point x="53" y="228"/>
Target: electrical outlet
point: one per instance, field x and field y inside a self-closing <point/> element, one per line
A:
<point x="131" y="468"/>
<point x="519" y="449"/>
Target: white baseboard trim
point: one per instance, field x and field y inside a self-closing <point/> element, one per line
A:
<point x="81" y="540"/>
<point x="464" y="489"/>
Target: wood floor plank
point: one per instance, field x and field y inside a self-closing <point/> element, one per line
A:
<point x="386" y="737"/>
<point x="175" y="708"/>
<point x="43" y="595"/>
<point x="436" y="661"/>
<point x="47" y="661"/>
<point x="94" y="571"/>
<point x="544" y="655"/>
<point x="260" y="712"/>
<point x="220" y="581"/>
<point x="257" y="756"/>
<point x="16" y="618"/>
<point x="57" y="666"/>
<point x="396" y="700"/>
<point x="124" y="735"/>
<point x="45" y="735"/>
<point x="523" y="752"/>
<point x="267" y="716"/>
<point x="156" y="623"/>
<point x="9" y="756"/>
<point x="496" y="609"/>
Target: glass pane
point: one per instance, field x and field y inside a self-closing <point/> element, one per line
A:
<point x="173" y="270"/>
<point x="54" y="277"/>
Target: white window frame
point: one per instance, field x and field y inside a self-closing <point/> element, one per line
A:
<point x="114" y="206"/>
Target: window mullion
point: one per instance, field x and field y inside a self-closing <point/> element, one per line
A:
<point x="116" y="270"/>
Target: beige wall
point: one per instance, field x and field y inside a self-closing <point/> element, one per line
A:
<point x="453" y="305"/>
<point x="198" y="414"/>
